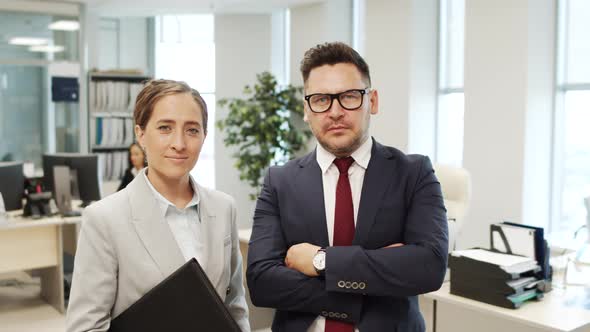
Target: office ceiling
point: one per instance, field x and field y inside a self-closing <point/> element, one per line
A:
<point x="159" y="7"/>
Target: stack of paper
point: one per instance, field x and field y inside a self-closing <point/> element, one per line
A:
<point x="509" y="263"/>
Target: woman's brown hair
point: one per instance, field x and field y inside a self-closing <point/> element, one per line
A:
<point x="154" y="90"/>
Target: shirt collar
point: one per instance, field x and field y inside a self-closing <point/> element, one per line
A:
<point x="361" y="156"/>
<point x="164" y="203"/>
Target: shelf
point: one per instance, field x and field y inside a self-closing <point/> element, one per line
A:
<point x="111" y="114"/>
<point x="118" y="77"/>
<point x="110" y="119"/>
<point x="110" y="148"/>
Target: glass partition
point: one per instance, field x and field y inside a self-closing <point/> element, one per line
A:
<point x="34" y="47"/>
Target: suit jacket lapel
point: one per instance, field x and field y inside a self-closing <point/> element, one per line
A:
<point x="153" y="231"/>
<point x="378" y="177"/>
<point x="309" y="189"/>
<point x="212" y="233"/>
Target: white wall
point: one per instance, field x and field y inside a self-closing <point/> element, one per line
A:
<point x="314" y="24"/>
<point x="133" y="38"/>
<point x="423" y="97"/>
<point x="400" y="48"/>
<point x="118" y="43"/>
<point x="538" y="120"/>
<point x="242" y="49"/>
<point x="387" y="53"/>
<point x="279" y="46"/>
<point x="508" y="103"/>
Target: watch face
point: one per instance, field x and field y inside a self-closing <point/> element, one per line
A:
<point x="319" y="260"/>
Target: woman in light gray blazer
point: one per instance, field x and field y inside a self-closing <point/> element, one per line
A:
<point x="132" y="240"/>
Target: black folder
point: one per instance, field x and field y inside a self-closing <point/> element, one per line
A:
<point x="185" y="301"/>
<point x="540" y="244"/>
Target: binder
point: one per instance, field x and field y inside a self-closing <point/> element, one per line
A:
<point x="513" y="240"/>
<point x="185" y="301"/>
<point x="92" y="128"/>
<point x="519" y="239"/>
<point x="92" y="96"/>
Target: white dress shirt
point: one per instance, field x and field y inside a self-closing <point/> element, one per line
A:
<point x="330" y="174"/>
<point x="183" y="222"/>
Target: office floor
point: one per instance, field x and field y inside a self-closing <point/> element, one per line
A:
<point x="22" y="310"/>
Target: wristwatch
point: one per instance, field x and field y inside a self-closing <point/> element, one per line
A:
<point x="319" y="262"/>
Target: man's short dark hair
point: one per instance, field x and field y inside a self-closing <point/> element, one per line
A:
<point x="331" y="54"/>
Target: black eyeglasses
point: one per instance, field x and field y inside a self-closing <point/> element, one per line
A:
<point x="349" y="100"/>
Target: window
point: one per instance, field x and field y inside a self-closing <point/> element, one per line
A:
<point x="34" y="47"/>
<point x="185" y="51"/>
<point x="572" y="115"/>
<point x="449" y="118"/>
<point x="358" y="25"/>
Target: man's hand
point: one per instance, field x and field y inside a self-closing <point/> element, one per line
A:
<point x="300" y="258"/>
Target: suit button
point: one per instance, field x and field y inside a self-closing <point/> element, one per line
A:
<point x="344" y="316"/>
<point x="355" y="285"/>
<point x="324" y="313"/>
<point x="348" y="284"/>
<point x="331" y="314"/>
<point x="341" y="284"/>
<point x="337" y="315"/>
<point x="362" y="285"/>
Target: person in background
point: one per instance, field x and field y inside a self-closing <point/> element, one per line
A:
<point x="133" y="239"/>
<point x="137" y="162"/>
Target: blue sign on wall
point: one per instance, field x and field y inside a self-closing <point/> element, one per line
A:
<point x="65" y="89"/>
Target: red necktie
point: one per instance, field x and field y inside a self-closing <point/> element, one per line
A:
<point x="343" y="226"/>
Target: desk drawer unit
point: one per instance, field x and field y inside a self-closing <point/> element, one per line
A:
<point x="30" y="248"/>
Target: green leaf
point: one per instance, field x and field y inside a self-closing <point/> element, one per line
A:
<point x="260" y="126"/>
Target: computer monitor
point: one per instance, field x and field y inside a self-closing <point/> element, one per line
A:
<point x="12" y="185"/>
<point x="85" y="182"/>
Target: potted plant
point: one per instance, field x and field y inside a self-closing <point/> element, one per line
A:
<point x="265" y="127"/>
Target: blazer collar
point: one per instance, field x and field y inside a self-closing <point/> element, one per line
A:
<point x="205" y="200"/>
<point x="151" y="228"/>
<point x="378" y="177"/>
<point x="310" y="192"/>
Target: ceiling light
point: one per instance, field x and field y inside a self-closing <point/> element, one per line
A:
<point x="65" y="25"/>
<point x="28" y="41"/>
<point x="47" y="48"/>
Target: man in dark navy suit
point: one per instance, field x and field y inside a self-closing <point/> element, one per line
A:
<point x="345" y="237"/>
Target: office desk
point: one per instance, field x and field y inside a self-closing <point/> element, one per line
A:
<point x="260" y="318"/>
<point x="70" y="230"/>
<point x="560" y="310"/>
<point x="28" y="244"/>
